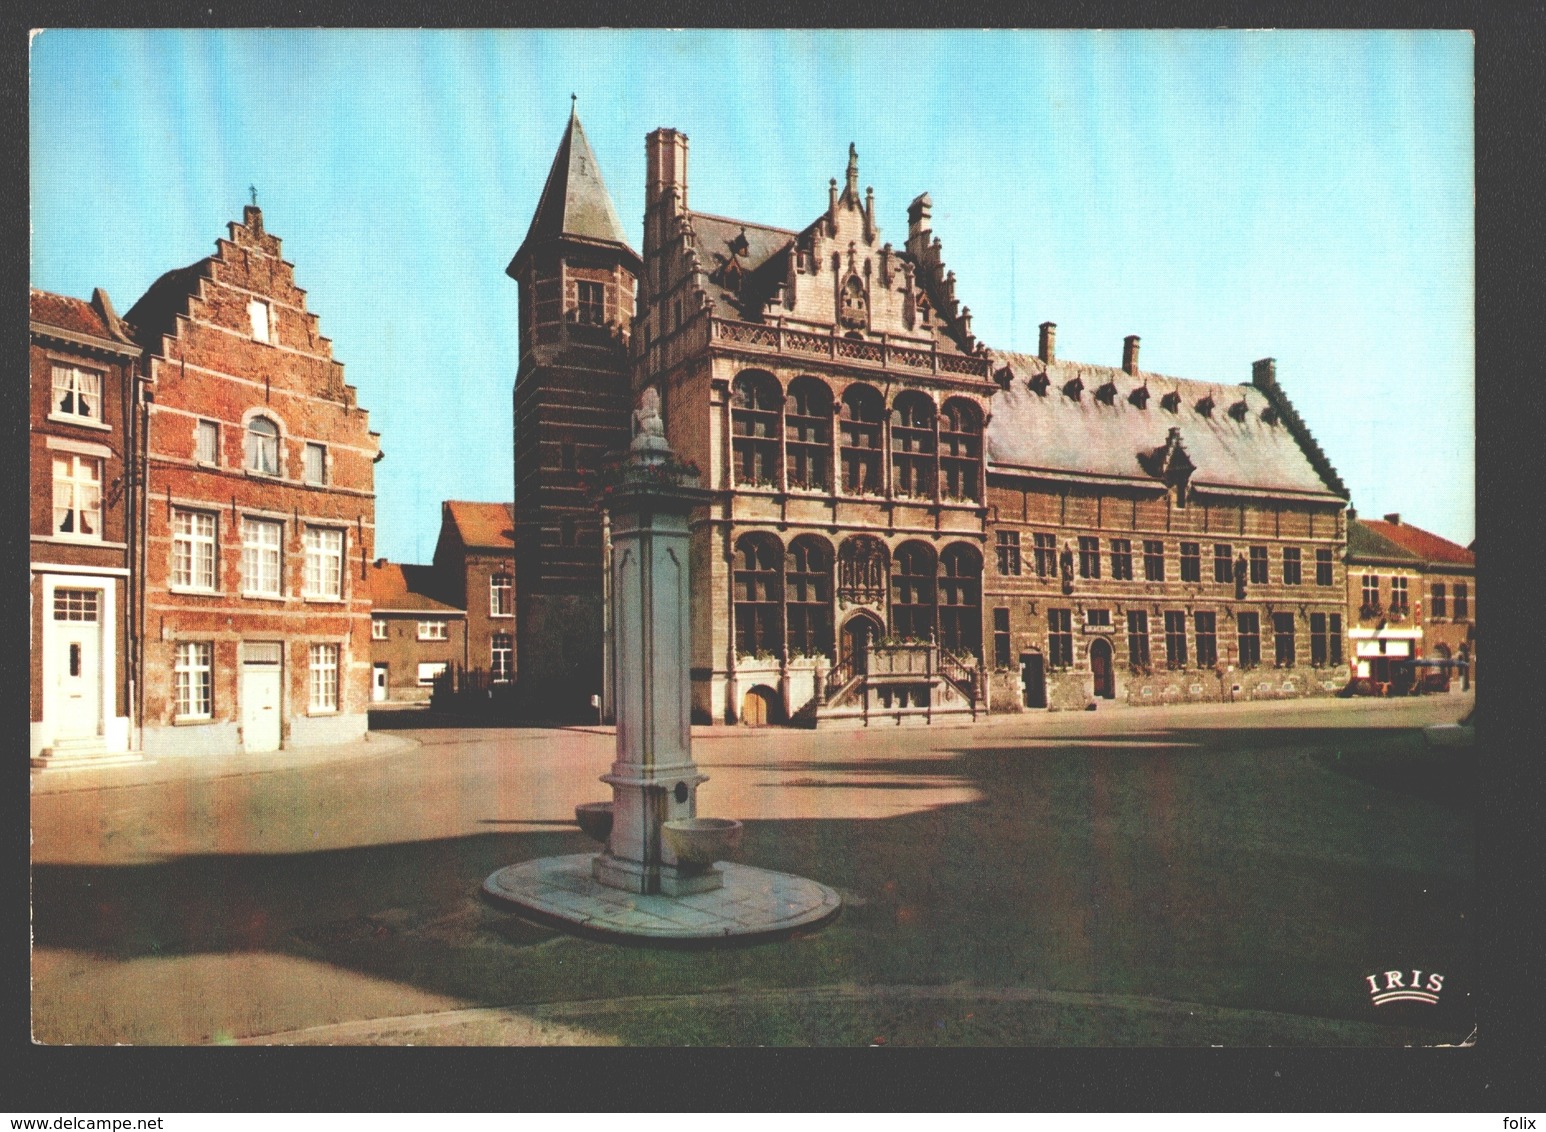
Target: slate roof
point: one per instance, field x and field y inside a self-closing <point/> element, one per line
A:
<point x="78" y="316"/>
<point x="765" y="260"/>
<point x="574" y="203"/>
<point x="1054" y="432"/>
<point x="1424" y="545"/>
<point x="483" y="525"/>
<point x="397" y="587"/>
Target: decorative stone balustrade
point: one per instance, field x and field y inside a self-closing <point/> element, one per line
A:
<point x="881" y="355"/>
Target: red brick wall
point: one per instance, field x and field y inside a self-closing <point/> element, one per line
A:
<point x="211" y="367"/>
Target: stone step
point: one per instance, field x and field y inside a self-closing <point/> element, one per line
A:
<point x="77" y="757"/>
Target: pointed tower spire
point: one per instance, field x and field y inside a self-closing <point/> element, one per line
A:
<point x="851" y="190"/>
<point x="575" y="204"/>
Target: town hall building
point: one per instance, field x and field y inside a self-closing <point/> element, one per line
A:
<point x="904" y="524"/>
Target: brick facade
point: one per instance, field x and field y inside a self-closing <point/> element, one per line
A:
<point x="415" y="632"/>
<point x="475" y="560"/>
<point x="576" y="277"/>
<point x="83" y="436"/>
<point x="260" y="516"/>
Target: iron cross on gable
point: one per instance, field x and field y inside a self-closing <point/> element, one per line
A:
<point x="253" y="189"/>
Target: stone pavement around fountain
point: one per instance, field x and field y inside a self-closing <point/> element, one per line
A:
<point x="753" y="903"/>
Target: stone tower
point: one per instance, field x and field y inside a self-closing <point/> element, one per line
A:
<point x="572" y="402"/>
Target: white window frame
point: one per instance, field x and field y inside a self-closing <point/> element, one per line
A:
<point x="429" y="670"/>
<point x="323" y="679"/>
<point x="262" y="557"/>
<point x="79" y="385"/>
<point x="204" y="427"/>
<point x="195" y="539"/>
<point x="260" y="446"/>
<point x="311" y="450"/>
<point x="77" y="496"/>
<point x="496" y="607"/>
<point x="323" y="580"/>
<point x="193" y="680"/>
<point x="378" y="628"/>
<point x="260" y="314"/>
<point x="436" y="629"/>
<point x="501" y="673"/>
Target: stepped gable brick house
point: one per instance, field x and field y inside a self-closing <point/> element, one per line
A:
<point x="907" y="526"/>
<point x="84" y="434"/>
<point x="1410" y="594"/>
<point x="416" y="632"/>
<point x="260" y="511"/>
<point x="475" y="562"/>
<point x="576" y="274"/>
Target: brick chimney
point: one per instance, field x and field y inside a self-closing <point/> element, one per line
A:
<point x="1047" y="351"/>
<point x="1264" y="374"/>
<point x="1130" y="353"/>
<point x="1394" y="518"/>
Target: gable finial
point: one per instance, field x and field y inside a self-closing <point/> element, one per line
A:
<point x="853" y="173"/>
<point x="253" y="190"/>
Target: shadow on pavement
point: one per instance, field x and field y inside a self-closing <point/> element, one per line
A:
<point x="1189" y="870"/>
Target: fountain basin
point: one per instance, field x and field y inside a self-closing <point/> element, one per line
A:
<point x="595" y="819"/>
<point x="702" y="841"/>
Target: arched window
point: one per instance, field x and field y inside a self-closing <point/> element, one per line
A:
<point x="912" y="446"/>
<point x="263" y="446"/>
<point x="860" y="450"/>
<point x="758" y="596"/>
<point x="808" y="433"/>
<point x="960" y="449"/>
<point x="960" y="600"/>
<point x="861" y="578"/>
<point x="912" y="592"/>
<point x="808" y="596"/>
<point x="754" y="410"/>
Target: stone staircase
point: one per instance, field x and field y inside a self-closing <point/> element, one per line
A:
<point x="82" y="754"/>
<point x="902" y="685"/>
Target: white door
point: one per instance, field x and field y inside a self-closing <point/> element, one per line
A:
<point x="378" y="687"/>
<point x="76" y="657"/>
<point x="260" y="707"/>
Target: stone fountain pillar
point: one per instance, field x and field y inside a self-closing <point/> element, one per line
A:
<point x="653" y="777"/>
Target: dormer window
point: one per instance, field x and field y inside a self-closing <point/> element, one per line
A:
<point x="1205" y="406"/>
<point x="1039" y="383"/>
<point x="261" y="315"/>
<point x="1270" y="415"/>
<point x="1073" y="387"/>
<point x="77" y="393"/>
<point x="1107" y="393"/>
<point x="1140" y="397"/>
<point x="1238" y="410"/>
<point x="1171" y="401"/>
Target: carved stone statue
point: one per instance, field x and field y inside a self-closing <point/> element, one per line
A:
<point x="646" y="418"/>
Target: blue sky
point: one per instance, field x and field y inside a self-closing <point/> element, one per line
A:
<point x="1227" y="196"/>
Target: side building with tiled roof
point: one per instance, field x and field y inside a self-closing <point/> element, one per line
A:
<point x="476" y="563"/>
<point x="1411" y="594"/>
<point x="86" y="430"/>
<point x="416" y="633"/>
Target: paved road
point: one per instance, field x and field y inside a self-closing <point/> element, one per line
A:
<point x="1208" y="866"/>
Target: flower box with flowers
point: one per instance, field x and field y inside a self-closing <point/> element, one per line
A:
<point x="621" y="474"/>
